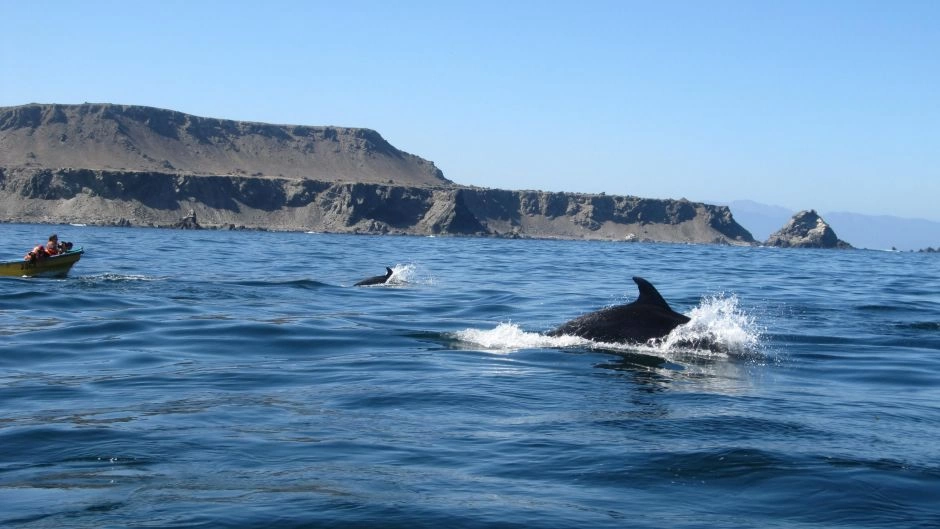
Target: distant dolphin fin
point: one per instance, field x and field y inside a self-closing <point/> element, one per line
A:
<point x="389" y="272"/>
<point x="648" y="294"/>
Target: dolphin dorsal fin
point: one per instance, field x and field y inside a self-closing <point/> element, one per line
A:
<point x="648" y="294"/>
<point x="388" y="273"/>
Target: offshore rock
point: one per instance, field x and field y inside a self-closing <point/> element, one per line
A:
<point x="188" y="222"/>
<point x="806" y="229"/>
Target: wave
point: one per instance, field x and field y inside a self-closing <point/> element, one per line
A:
<point x="920" y="326"/>
<point x="117" y="278"/>
<point x="294" y="283"/>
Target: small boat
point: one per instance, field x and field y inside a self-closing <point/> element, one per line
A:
<point x="53" y="266"/>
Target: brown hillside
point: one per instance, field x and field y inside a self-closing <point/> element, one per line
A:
<point x="144" y="139"/>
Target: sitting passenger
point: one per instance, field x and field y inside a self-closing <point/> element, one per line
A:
<point x="39" y="252"/>
<point x="52" y="247"/>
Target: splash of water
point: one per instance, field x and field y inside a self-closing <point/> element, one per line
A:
<point x="717" y="324"/>
<point x="509" y="337"/>
<point x="404" y="274"/>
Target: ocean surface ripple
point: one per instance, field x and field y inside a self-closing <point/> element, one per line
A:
<point x="238" y="379"/>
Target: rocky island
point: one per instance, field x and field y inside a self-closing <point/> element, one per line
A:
<point x="110" y="164"/>
<point x="806" y="229"/>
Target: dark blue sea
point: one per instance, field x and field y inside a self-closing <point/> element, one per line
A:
<point x="215" y="379"/>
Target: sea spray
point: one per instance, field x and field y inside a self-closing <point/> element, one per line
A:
<point x="509" y="337"/>
<point x="409" y="274"/>
<point x="717" y="324"/>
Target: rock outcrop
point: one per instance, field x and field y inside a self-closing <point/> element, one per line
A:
<point x="806" y="229"/>
<point x="140" y="166"/>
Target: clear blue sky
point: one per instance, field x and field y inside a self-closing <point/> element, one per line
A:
<point x="825" y="104"/>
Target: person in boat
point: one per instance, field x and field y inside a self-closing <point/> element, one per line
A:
<point x="52" y="247"/>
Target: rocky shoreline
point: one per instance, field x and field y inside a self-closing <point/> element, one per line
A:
<point x="97" y="197"/>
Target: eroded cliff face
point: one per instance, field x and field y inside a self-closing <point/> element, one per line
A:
<point x="162" y="199"/>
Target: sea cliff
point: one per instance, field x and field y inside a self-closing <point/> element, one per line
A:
<point x="137" y="166"/>
<point x="162" y="199"/>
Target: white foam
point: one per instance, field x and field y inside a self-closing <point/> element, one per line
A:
<point x="403" y="274"/>
<point x="717" y="324"/>
<point x="124" y="277"/>
<point x="509" y="337"/>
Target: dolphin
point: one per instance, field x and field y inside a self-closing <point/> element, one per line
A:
<point x="375" y="280"/>
<point x="646" y="318"/>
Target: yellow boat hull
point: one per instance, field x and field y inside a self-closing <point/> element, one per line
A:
<point x="55" y="266"/>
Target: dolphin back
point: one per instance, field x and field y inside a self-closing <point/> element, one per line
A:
<point x="376" y="280"/>
<point x="646" y="318"/>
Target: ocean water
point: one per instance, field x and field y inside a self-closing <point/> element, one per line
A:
<point x="238" y="379"/>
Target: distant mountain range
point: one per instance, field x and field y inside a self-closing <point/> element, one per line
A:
<point x="877" y="232"/>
